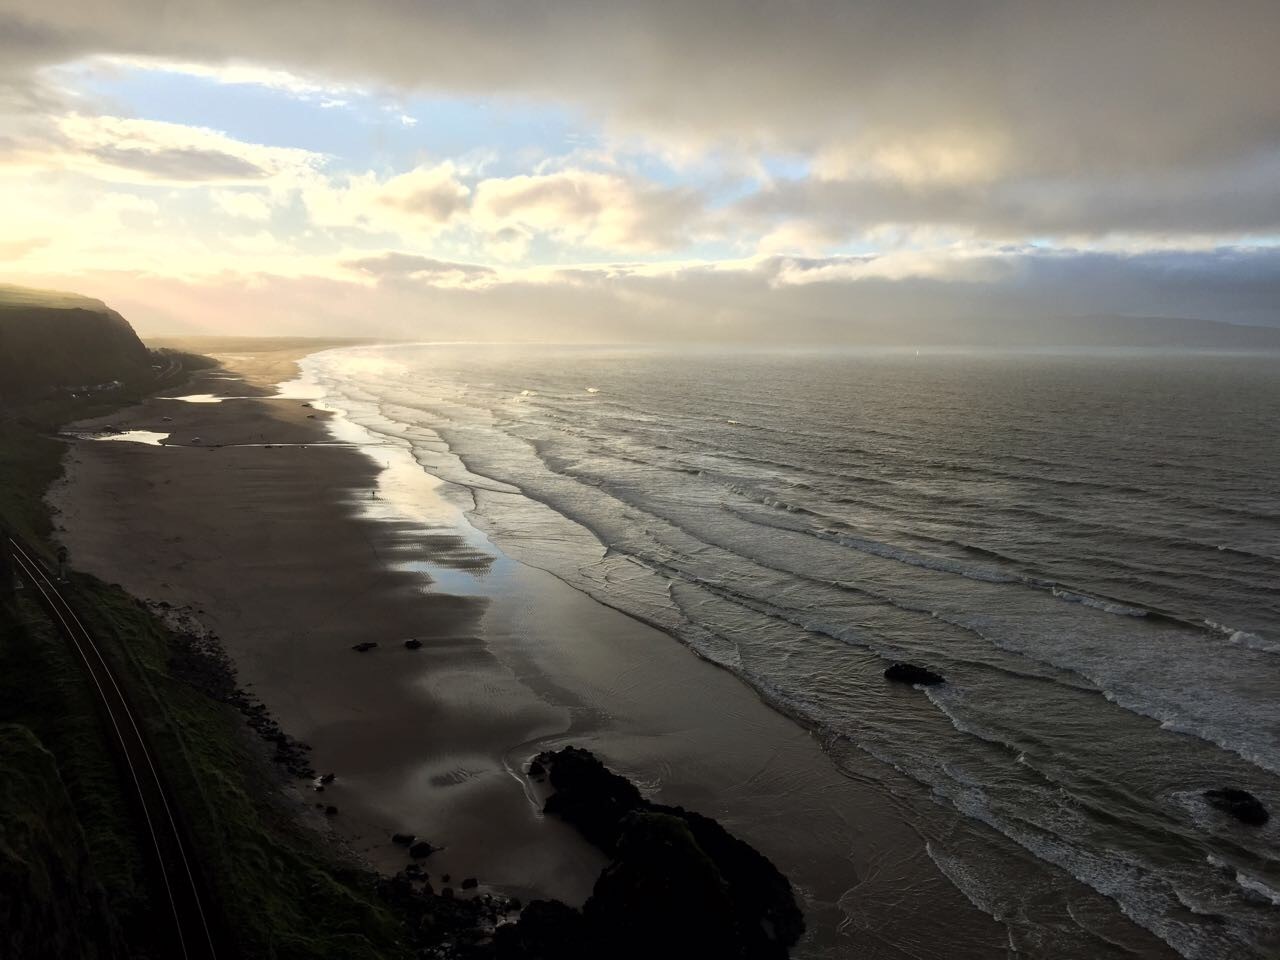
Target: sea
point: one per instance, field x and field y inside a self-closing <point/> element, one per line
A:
<point x="1086" y="545"/>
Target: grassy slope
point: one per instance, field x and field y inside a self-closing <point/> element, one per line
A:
<point x="279" y="890"/>
<point x="43" y="852"/>
<point x="12" y="296"/>
<point x="79" y="811"/>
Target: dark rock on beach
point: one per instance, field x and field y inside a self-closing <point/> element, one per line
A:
<point x="913" y="674"/>
<point x="446" y="927"/>
<point x="421" y="849"/>
<point x="589" y="795"/>
<point x="198" y="659"/>
<point x="547" y="929"/>
<point x="1241" y="804"/>
<point x="680" y="885"/>
<point x="365" y="646"/>
<point x="664" y="896"/>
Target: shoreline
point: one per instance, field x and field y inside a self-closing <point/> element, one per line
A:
<point x="280" y="550"/>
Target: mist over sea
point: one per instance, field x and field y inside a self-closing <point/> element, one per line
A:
<point x="1086" y="545"/>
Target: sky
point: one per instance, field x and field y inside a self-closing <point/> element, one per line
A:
<point x="796" y="172"/>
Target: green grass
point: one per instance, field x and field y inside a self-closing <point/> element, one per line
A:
<point x="62" y="910"/>
<point x="280" y="891"/>
<point x="12" y="296"/>
<point x="278" y="888"/>
<point x="43" y="692"/>
<point x="29" y="464"/>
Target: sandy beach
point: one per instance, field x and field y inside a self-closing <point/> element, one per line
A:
<point x="293" y="541"/>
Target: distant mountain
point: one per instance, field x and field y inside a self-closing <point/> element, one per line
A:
<point x="51" y="340"/>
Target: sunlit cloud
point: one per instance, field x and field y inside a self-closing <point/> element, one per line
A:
<point x="751" y="161"/>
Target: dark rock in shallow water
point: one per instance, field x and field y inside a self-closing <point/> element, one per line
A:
<point x="364" y="647"/>
<point x="331" y="811"/>
<point x="589" y="795"/>
<point x="421" y="849"/>
<point x="910" y="673"/>
<point x="1241" y="804"/>
<point x="328" y="778"/>
<point x="680" y="885"/>
<point x="470" y="883"/>
<point x="413" y="644"/>
<point x="403" y="839"/>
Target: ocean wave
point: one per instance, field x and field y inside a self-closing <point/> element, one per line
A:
<point x="1122" y="694"/>
<point x="1119" y="609"/>
<point x="1243" y="638"/>
<point x="1254" y="888"/>
<point x="988" y="574"/>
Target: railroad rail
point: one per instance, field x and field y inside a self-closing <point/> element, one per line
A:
<point x="192" y="938"/>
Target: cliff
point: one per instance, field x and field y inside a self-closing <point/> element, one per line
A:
<point x="57" y="341"/>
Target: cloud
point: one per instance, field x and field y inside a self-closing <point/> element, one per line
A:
<point x="179" y="164"/>
<point x="597" y="209"/>
<point x="1080" y="86"/>
<point x="946" y="144"/>
<point x="1243" y="199"/>
<point x="1021" y="298"/>
<point x="242" y="204"/>
<point x="403" y="266"/>
<point x="130" y="150"/>
<point x="1032" y="116"/>
<point x="235" y="73"/>
<point x="431" y="194"/>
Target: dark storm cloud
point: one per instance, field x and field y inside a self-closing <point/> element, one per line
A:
<point x="1242" y="198"/>
<point x="1088" y="85"/>
<point x="1086" y="117"/>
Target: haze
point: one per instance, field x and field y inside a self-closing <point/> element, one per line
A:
<point x="801" y="172"/>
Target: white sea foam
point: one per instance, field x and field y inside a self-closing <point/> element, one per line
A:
<point x="1108" y="606"/>
<point x="1255" y="886"/>
<point x="1243" y="638"/>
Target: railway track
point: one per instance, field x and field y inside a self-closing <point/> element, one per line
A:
<point x="191" y="937"/>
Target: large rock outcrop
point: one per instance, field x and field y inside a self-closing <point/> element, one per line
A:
<point x="680" y="885"/>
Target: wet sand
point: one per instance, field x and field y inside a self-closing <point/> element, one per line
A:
<point x="293" y="547"/>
